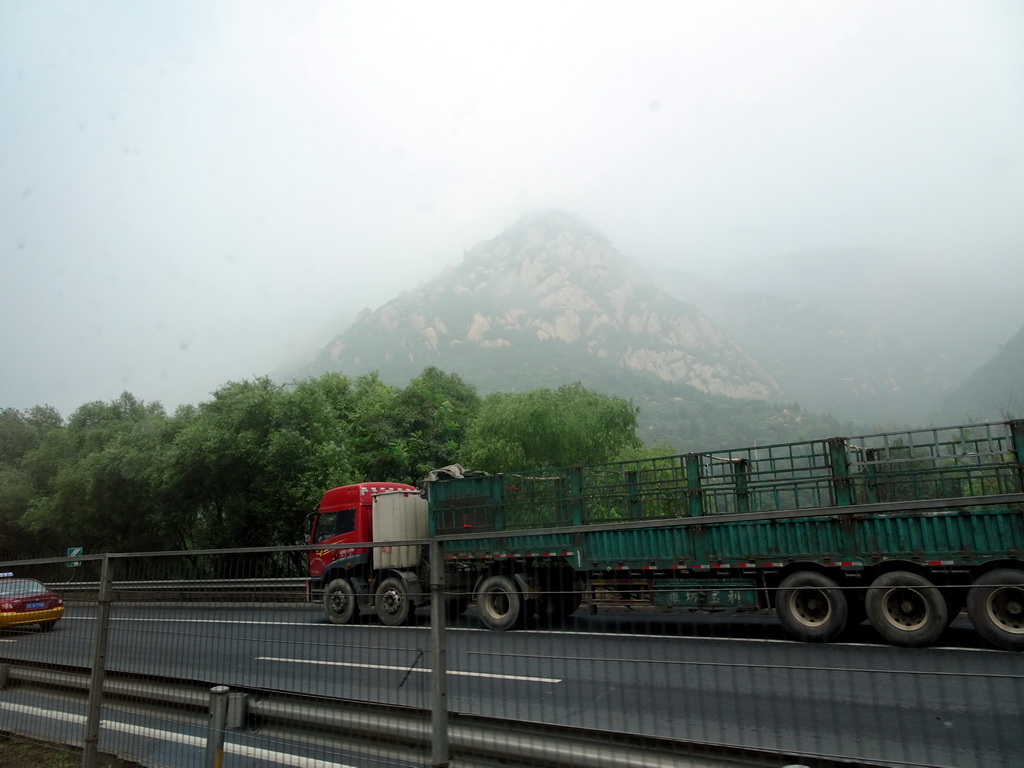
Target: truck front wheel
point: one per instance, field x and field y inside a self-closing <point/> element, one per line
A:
<point x="995" y="604"/>
<point x="811" y="607"/>
<point x="340" y="602"/>
<point x="499" y="602"/>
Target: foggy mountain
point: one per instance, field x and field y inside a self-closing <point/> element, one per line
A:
<point x="550" y="301"/>
<point x="523" y="309"/>
<point x="870" y="334"/>
<point x="996" y="390"/>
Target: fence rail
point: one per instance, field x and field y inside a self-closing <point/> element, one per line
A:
<point x="616" y="689"/>
<point x="472" y="738"/>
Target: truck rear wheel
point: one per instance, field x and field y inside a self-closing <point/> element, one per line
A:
<point x="561" y="597"/>
<point x="499" y="602"/>
<point x="340" y="602"/>
<point x="995" y="604"/>
<point x="811" y="607"/>
<point x="455" y="606"/>
<point x="906" y="609"/>
<point x="392" y="602"/>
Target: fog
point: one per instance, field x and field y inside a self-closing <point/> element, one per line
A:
<point x="197" y="192"/>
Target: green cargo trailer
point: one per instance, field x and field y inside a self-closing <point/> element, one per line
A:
<point x="904" y="529"/>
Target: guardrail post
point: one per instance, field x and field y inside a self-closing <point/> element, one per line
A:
<point x="439" y="751"/>
<point x="90" y="750"/>
<point x="215" y="730"/>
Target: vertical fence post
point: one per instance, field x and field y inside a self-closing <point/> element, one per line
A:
<point x="1017" y="442"/>
<point x="741" y="474"/>
<point x="215" y="730"/>
<point x="694" y="492"/>
<point x="839" y="465"/>
<point x="90" y="751"/>
<point x="438" y="651"/>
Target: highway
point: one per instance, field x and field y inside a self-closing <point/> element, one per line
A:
<point x="734" y="681"/>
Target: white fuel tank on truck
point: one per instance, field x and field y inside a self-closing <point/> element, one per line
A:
<point x="398" y="516"/>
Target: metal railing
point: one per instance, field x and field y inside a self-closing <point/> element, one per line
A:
<point x="144" y="643"/>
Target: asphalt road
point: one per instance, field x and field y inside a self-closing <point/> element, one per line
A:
<point x="728" y="680"/>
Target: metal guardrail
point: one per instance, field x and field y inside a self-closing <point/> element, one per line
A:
<point x="474" y="740"/>
<point x="205" y="584"/>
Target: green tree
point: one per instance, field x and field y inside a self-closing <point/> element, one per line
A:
<point x="253" y="461"/>
<point x="550" y="428"/>
<point x="97" y="479"/>
<point x="402" y="434"/>
<point x="21" y="432"/>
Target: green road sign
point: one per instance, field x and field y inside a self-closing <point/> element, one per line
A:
<point x="74" y="552"/>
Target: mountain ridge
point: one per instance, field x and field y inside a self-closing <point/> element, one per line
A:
<point x="551" y="279"/>
<point x="549" y="301"/>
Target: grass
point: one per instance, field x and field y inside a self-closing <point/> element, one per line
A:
<point x="25" y="753"/>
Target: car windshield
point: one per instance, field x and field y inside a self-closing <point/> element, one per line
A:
<point x="21" y="587"/>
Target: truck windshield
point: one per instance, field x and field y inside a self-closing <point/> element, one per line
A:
<point x="330" y="524"/>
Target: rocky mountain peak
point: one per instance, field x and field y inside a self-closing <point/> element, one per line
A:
<point x="549" y="288"/>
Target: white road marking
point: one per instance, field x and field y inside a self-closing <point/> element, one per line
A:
<point x="617" y="635"/>
<point x="521" y="678"/>
<point x="269" y="755"/>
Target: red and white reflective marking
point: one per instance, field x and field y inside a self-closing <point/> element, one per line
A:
<point x="672" y="567"/>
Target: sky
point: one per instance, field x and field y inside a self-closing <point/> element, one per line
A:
<point x="193" y="193"/>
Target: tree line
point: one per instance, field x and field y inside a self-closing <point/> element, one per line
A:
<point x="244" y="468"/>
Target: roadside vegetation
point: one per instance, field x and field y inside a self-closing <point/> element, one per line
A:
<point x="21" y="753"/>
<point x="244" y="468"/>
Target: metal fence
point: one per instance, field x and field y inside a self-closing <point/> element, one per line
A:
<point x="217" y="659"/>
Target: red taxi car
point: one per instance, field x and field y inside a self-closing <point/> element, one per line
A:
<point x="27" y="601"/>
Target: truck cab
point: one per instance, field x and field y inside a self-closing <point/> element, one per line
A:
<point x="344" y="515"/>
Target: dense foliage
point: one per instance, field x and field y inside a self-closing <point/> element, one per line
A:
<point x="244" y="468"/>
<point x="550" y="428"/>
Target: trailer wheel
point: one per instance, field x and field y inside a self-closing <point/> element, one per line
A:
<point x="340" y="602"/>
<point x="906" y="609"/>
<point x="499" y="602"/>
<point x="956" y="600"/>
<point x="392" y="602"/>
<point x="856" y="613"/>
<point x="995" y="604"/>
<point x="455" y="606"/>
<point x="811" y="607"/>
<point x="561" y="597"/>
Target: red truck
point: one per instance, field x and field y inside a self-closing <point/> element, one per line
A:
<point x="390" y="579"/>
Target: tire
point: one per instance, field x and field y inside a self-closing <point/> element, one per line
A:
<point x="955" y="598"/>
<point x="499" y="602"/>
<point x="47" y="626"/>
<point x="455" y="606"/>
<point x="995" y="605"/>
<point x="556" y="607"/>
<point x="561" y="597"/>
<point x="394" y="608"/>
<point x="856" y="613"/>
<point x="906" y="609"/>
<point x="811" y="607"/>
<point x="340" y="602"/>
